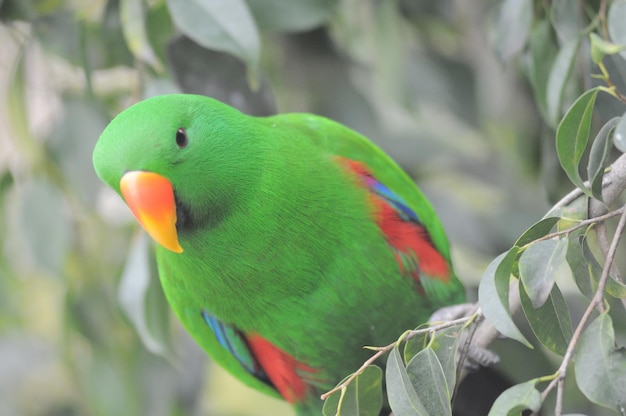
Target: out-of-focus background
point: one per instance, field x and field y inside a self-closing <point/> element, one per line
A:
<point x="448" y="88"/>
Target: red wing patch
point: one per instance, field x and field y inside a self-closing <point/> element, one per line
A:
<point x="264" y="360"/>
<point x="284" y="371"/>
<point x="406" y="235"/>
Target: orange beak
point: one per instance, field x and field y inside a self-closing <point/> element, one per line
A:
<point x="151" y="198"/>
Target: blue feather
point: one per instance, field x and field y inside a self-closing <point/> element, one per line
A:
<point x="398" y="203"/>
<point x="234" y="341"/>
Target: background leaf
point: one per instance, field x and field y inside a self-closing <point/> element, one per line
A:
<point x="414" y="345"/>
<point x="601" y="47"/>
<point x="446" y="345"/>
<point x="296" y="15"/>
<point x="598" y="157"/>
<point x="601" y="366"/>
<point x="218" y="75"/>
<point x="615" y="23"/>
<point x="29" y="221"/>
<point x="494" y="297"/>
<point x="614" y="286"/>
<point x="403" y="398"/>
<point x="573" y="133"/>
<point x="223" y="26"/>
<point x="142" y="299"/>
<point x="619" y="136"/>
<point x="542" y="55"/>
<point x="134" y="29"/>
<point x="537" y="267"/>
<point x="559" y="75"/>
<point x="429" y="381"/>
<point x="537" y="230"/>
<point x="578" y="265"/>
<point x="517" y="398"/>
<point x="364" y="396"/>
<point x="551" y="323"/>
<point x="511" y="27"/>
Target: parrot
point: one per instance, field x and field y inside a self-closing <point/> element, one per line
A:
<point x="284" y="244"/>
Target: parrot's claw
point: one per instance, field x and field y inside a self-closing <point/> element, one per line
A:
<point x="474" y="356"/>
<point x="478" y="356"/>
<point x="449" y="313"/>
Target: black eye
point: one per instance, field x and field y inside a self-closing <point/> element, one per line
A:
<point x="181" y="138"/>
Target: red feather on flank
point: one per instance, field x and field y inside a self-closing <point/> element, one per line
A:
<point x="409" y="239"/>
<point x="281" y="368"/>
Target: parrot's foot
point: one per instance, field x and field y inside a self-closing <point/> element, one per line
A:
<point x="474" y="356"/>
<point x="449" y="313"/>
<point x="478" y="356"/>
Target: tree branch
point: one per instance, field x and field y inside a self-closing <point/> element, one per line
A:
<point x="613" y="184"/>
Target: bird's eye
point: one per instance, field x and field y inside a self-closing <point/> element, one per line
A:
<point x="181" y="138"/>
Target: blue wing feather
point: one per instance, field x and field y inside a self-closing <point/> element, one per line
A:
<point x="234" y="341"/>
<point x="395" y="200"/>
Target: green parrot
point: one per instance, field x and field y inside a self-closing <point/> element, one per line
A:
<point x="285" y="244"/>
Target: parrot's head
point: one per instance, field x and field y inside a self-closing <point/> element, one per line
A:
<point x="180" y="162"/>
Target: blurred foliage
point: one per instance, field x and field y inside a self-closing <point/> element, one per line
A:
<point x="466" y="96"/>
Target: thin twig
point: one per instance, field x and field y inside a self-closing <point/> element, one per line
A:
<point x="581" y="224"/>
<point x="596" y="302"/>
<point x="382" y="350"/>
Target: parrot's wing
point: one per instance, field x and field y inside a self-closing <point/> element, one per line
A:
<point x="406" y="217"/>
<point x="408" y="238"/>
<point x="339" y="141"/>
<point x="265" y="361"/>
<point x="236" y="343"/>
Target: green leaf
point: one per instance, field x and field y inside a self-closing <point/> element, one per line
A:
<point x="571" y="214"/>
<point x="615" y="22"/>
<point x="42" y="226"/>
<point x="542" y="52"/>
<point x="142" y="299"/>
<point x="414" y="345"/>
<point x="566" y="20"/>
<point x="293" y="15"/>
<point x="619" y="135"/>
<point x="614" y="286"/>
<point x="600" y="48"/>
<point x="551" y="323"/>
<point x="134" y="29"/>
<point x="493" y="295"/>
<point x="72" y="142"/>
<point x="511" y="27"/>
<point x="572" y="135"/>
<point x="598" y="156"/>
<point x="225" y="26"/>
<point x="559" y="75"/>
<point x="403" y="398"/>
<point x="537" y="230"/>
<point x="537" y="266"/>
<point x="218" y="75"/>
<point x="446" y="346"/>
<point x="516" y="399"/>
<point x="578" y="265"/>
<point x="429" y="381"/>
<point x="363" y="397"/>
<point x="600" y="366"/>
